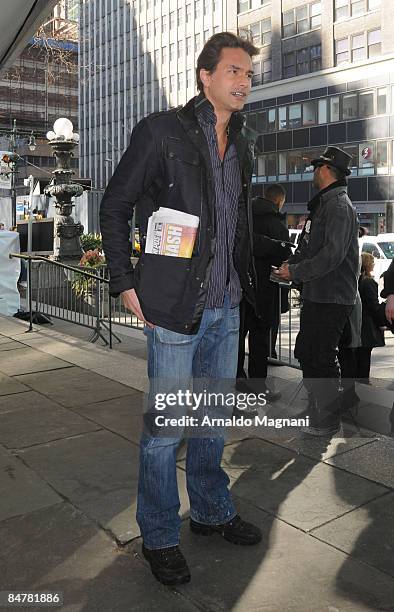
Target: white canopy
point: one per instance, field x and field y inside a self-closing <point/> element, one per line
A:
<point x="20" y="19"/>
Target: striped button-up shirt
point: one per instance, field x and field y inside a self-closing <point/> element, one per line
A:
<point x="228" y="187"/>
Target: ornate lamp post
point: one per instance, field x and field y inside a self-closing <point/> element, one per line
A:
<point x="66" y="241"/>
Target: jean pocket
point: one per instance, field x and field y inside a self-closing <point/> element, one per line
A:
<point x="166" y="336"/>
<point x="233" y="320"/>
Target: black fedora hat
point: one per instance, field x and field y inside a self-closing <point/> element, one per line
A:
<point x="335" y="157"/>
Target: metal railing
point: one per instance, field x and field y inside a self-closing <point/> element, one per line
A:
<point x="72" y="294"/>
<point x="69" y="293"/>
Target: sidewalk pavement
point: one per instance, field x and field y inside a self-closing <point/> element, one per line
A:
<point x="70" y="420"/>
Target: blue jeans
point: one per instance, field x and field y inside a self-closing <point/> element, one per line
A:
<point x="211" y="353"/>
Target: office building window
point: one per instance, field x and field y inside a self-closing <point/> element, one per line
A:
<point x="303" y="65"/>
<point x="156" y="27"/>
<point x="289" y="66"/>
<point x="243" y="5"/>
<point x="309" y="113"/>
<point x="164" y="55"/>
<point x="349" y="106"/>
<point x="172" y="20"/>
<point x="259" y="32"/>
<point x="295" y="116"/>
<point x="206" y="35"/>
<point x="197" y="9"/>
<point x="382" y="101"/>
<point x="188" y="45"/>
<point x="188" y="10"/>
<point x="341" y="51"/>
<point x="301" y="19"/>
<point x="358" y="47"/>
<point x="374" y="43"/>
<point x="282" y="113"/>
<point x="353" y="8"/>
<point x="179" y="17"/>
<point x="189" y="79"/>
<point x="256" y="78"/>
<point x="362" y="45"/>
<point x="366" y="104"/>
<point x="272" y="120"/>
<point x="308" y="60"/>
<point x="163" y="24"/>
<point x="382" y="166"/>
<point x="205" y="7"/>
<point x="334" y="108"/>
<point x="197" y="42"/>
<point x="322" y="111"/>
<point x="180" y="49"/>
<point x="172" y="52"/>
<point x="179" y="81"/>
<point x="295" y="165"/>
<point x="267" y="70"/>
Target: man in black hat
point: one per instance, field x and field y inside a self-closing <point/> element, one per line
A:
<point x="326" y="265"/>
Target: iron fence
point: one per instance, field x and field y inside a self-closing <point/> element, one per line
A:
<point x="71" y="293"/>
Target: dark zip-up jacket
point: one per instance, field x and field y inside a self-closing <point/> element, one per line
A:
<point x="168" y="164"/>
<point x="326" y="262"/>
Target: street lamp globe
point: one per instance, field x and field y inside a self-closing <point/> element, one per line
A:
<point x="63" y="127"/>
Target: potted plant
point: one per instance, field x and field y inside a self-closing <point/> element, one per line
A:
<point x="85" y="287"/>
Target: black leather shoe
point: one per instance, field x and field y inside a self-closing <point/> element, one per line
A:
<point x="168" y="565"/>
<point x="235" y="531"/>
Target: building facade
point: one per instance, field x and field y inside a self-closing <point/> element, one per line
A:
<point x="39" y="88"/>
<point x="324" y="75"/>
<point x="135" y="58"/>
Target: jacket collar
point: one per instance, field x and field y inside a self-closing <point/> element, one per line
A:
<point x="200" y="104"/>
<point x="327" y="193"/>
<point x="188" y="119"/>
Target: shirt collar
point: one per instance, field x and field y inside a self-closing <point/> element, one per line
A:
<point x="206" y="114"/>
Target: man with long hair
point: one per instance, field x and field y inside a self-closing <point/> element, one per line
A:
<point x="196" y="160"/>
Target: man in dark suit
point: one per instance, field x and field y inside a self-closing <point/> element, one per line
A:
<point x="268" y="222"/>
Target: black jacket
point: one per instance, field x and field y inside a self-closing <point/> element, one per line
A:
<point x="388" y="277"/>
<point x="269" y="222"/>
<point x="371" y="334"/>
<point x="168" y="164"/>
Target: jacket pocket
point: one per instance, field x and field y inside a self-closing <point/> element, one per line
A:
<point x="160" y="282"/>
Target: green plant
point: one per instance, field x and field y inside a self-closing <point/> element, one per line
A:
<point x="91" y="242"/>
<point x="91" y="260"/>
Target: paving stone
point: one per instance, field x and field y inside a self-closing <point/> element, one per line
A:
<point x="21" y="489"/>
<point x="367" y="533"/>
<point x="98" y="472"/>
<point x="289" y="571"/>
<point x="374" y="461"/>
<point x="10" y="346"/>
<point x="75" y="386"/>
<point x="9" y="385"/>
<point x="322" y="448"/>
<point x="31" y="418"/>
<point x="302" y="492"/>
<point x="122" y="415"/>
<point x="58" y="549"/>
<point x="28" y="360"/>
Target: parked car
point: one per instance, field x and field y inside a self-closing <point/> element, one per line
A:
<point x="382" y="248"/>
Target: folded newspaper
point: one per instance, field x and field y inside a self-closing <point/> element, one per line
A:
<point x="171" y="232"/>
